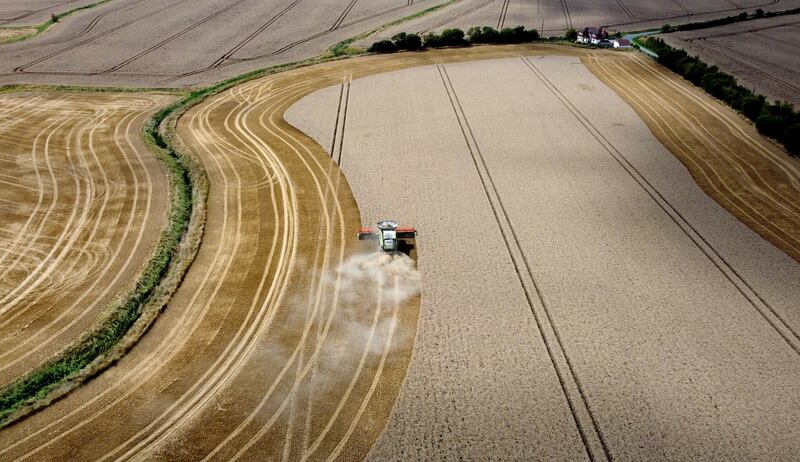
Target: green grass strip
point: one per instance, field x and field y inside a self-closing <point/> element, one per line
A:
<point x="21" y="397"/>
<point x="98" y="349"/>
<point x="38" y="29"/>
<point x="95" y="350"/>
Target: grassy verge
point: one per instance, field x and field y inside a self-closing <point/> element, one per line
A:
<point x="14" y="87"/>
<point x="38" y="29"/>
<point x="129" y="317"/>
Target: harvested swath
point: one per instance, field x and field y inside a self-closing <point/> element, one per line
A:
<point x="216" y="374"/>
<point x="553" y="17"/>
<point x="234" y="325"/>
<point x="760" y="54"/>
<point x="120" y="43"/>
<point x="82" y="205"/>
<point x="34" y="12"/>
<point x="33" y="19"/>
<point x="548" y="211"/>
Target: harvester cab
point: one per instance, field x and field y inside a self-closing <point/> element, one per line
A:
<point x="390" y="237"/>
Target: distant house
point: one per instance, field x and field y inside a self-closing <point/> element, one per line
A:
<point x="592" y="35"/>
<point x="622" y="43"/>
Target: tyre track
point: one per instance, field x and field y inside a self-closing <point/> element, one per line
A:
<point x="758" y="143"/>
<point x="221" y="60"/>
<point x="226" y="129"/>
<point x="243" y="128"/>
<point x="145" y="217"/>
<point x="331" y="191"/>
<point x="567" y="14"/>
<point x="765" y="309"/>
<point x="231" y="60"/>
<point x="27" y="235"/>
<point x="234" y="361"/>
<point x="737" y="57"/>
<point x="450" y="19"/>
<point x="344" y="122"/>
<point x="72" y="280"/>
<point x="173" y="341"/>
<point x="83" y="421"/>
<point x="96" y="20"/>
<point x="341" y="18"/>
<point x="778" y="198"/>
<point x="503" y="12"/>
<point x="786" y="167"/>
<point x="174" y="36"/>
<point x="626" y="10"/>
<point x="24" y="67"/>
<point x="591" y="435"/>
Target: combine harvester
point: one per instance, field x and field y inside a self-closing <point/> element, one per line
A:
<point x="391" y="238"/>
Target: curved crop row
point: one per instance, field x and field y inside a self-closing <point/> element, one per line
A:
<point x="127" y="319"/>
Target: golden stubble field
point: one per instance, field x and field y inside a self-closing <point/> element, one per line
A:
<point x="82" y="203"/>
<point x="264" y="352"/>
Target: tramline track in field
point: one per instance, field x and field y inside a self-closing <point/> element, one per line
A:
<point x="748" y="292"/>
<point x="591" y="435"/>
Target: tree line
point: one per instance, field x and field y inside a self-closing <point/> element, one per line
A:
<point x="455" y="38"/>
<point x="743" y="16"/>
<point x="776" y="120"/>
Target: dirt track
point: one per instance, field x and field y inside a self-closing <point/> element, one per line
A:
<point x="82" y="203"/>
<point x="241" y="364"/>
<point x="760" y="54"/>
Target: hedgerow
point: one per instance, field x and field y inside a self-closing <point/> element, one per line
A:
<point x="776" y="120"/>
<point x="121" y="317"/>
<point x="455" y="38"/>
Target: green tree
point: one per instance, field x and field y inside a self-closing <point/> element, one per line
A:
<point x="404" y="41"/>
<point x="791" y="139"/>
<point x="432" y="40"/>
<point x="383" y="46"/>
<point x="453" y="38"/>
<point x="772" y="125"/>
<point x="752" y="106"/>
<point x="571" y="34"/>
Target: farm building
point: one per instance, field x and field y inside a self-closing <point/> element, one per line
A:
<point x="622" y="43"/>
<point x="592" y="35"/>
